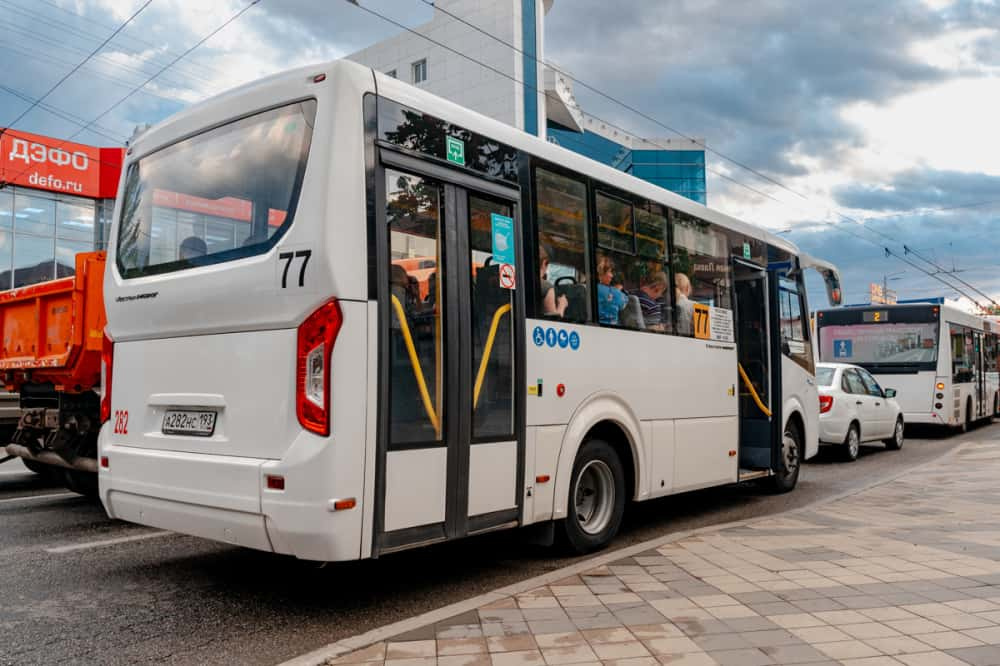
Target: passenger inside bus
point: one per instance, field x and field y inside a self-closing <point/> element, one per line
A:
<point x="193" y="247"/>
<point x="685" y="307"/>
<point x="552" y="306"/>
<point x="650" y="297"/>
<point x="610" y="299"/>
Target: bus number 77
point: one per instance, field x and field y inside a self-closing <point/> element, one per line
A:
<point x="289" y="257"/>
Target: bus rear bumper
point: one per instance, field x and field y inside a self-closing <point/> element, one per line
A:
<point x="224" y="498"/>
<point x="925" y="418"/>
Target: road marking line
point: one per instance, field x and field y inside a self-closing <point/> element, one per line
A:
<point x="107" y="542"/>
<point x="35" y="497"/>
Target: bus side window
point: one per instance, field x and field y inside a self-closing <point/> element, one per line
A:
<point x="563" y="247"/>
<point x="702" y="270"/>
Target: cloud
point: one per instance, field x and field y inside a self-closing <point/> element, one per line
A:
<point x="919" y="188"/>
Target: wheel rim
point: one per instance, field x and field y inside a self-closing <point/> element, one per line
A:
<point x="790" y="453"/>
<point x="853" y="443"/>
<point x="899" y="433"/>
<point x="594" y="496"/>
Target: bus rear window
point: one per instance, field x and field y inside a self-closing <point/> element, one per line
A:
<point x="224" y="194"/>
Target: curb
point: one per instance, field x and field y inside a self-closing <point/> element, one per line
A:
<point x="385" y="632"/>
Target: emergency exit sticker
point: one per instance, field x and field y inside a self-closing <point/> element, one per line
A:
<point x="456" y="150"/>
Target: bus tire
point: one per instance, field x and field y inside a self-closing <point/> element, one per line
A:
<point x="852" y="443"/>
<point x="895" y="443"/>
<point x="967" y="421"/>
<point x="596" y="498"/>
<point x="996" y="406"/>
<point x="790" y="461"/>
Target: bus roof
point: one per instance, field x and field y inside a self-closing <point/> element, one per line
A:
<point x="186" y="122"/>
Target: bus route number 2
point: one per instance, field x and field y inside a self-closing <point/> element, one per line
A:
<point x="702" y="322"/>
<point x="288" y="258"/>
<point x="121" y="422"/>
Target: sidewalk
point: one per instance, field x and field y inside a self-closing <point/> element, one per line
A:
<point x="904" y="573"/>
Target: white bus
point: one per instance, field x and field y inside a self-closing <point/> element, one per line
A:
<point x="941" y="360"/>
<point x="349" y="317"/>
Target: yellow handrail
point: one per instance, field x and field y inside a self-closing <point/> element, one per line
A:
<point x="753" y="391"/>
<point x="487" y="350"/>
<point x="415" y="362"/>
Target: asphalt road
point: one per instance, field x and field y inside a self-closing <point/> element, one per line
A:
<point x="180" y="600"/>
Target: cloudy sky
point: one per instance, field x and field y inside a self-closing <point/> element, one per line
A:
<point x="872" y="125"/>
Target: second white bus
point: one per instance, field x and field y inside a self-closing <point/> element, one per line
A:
<point x="347" y="317"/>
<point x="941" y="360"/>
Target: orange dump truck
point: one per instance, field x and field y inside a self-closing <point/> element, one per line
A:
<point x="53" y="336"/>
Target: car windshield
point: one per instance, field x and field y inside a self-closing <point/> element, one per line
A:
<point x="224" y="194"/>
<point x="824" y="376"/>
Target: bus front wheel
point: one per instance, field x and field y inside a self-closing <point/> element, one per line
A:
<point x="790" y="461"/>
<point x="596" y="497"/>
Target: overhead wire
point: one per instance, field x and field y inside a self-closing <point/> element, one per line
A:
<point x="136" y="89"/>
<point x="76" y="68"/>
<point x="656" y="121"/>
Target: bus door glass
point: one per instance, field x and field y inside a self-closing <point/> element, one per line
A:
<point x="449" y="453"/>
<point x="980" y="375"/>
<point x="753" y="352"/>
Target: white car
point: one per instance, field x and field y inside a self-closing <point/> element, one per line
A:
<point x="853" y="408"/>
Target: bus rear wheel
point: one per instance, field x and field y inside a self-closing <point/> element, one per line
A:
<point x="596" y="498"/>
<point x="790" y="461"/>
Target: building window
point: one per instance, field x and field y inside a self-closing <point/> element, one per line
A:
<point x="391" y="73"/>
<point x="419" y="71"/>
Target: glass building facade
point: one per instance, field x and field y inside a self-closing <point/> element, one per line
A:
<point x="680" y="171"/>
<point x="41" y="232"/>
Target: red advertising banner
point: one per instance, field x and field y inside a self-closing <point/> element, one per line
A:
<point x="229" y="207"/>
<point x="46" y="163"/>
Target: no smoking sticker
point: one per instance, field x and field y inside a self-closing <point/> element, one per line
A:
<point x="507" y="276"/>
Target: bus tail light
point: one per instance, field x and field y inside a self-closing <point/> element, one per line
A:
<point x="107" y="361"/>
<point x="940" y="386"/>
<point x="825" y="403"/>
<point x="317" y="335"/>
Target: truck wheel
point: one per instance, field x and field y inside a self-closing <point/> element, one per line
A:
<point x="790" y="460"/>
<point x="37" y="467"/>
<point x="596" y="497"/>
<point x="83" y="483"/>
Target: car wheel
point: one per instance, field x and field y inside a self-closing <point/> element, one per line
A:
<point x="790" y="460"/>
<point x="596" y="497"/>
<point x="895" y="443"/>
<point x="852" y="443"/>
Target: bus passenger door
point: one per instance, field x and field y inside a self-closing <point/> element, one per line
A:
<point x="753" y="354"/>
<point x="449" y="452"/>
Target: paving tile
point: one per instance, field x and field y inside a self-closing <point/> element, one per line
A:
<point x="620" y="650"/>
<point x="794" y="654"/>
<point x="415" y="661"/>
<point x="897" y="645"/>
<point x="915" y="626"/>
<point x="573" y="654"/>
<point x="870" y="661"/>
<point x="673" y="645"/>
<point x="986" y="655"/>
<point x="517" y="643"/>
<point x="989" y="635"/>
<point x="410" y="649"/>
<point x="704" y="627"/>
<point x="771" y="638"/>
<point x="841" y="617"/>
<point x="750" y="624"/>
<point x="564" y="639"/>
<point x="947" y="640"/>
<point x="847" y="650"/>
<point x="456" y="646"/>
<point x="689" y="659"/>
<point x="714" y="642"/>
<point x="797" y="620"/>
<point x="887" y="613"/>
<point x="867" y="630"/>
<point x="633" y="661"/>
<point x="745" y="657"/>
<point x="525" y="658"/>
<point x="464" y="660"/>
<point x="963" y="621"/>
<point x="824" y="634"/>
<point x="931" y="659"/>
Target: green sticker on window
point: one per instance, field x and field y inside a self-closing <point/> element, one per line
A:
<point x="456" y="150"/>
<point x="746" y="250"/>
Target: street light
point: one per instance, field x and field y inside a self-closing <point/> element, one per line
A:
<point x="885" y="282"/>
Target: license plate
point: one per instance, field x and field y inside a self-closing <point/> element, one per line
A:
<point x="187" y="422"/>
